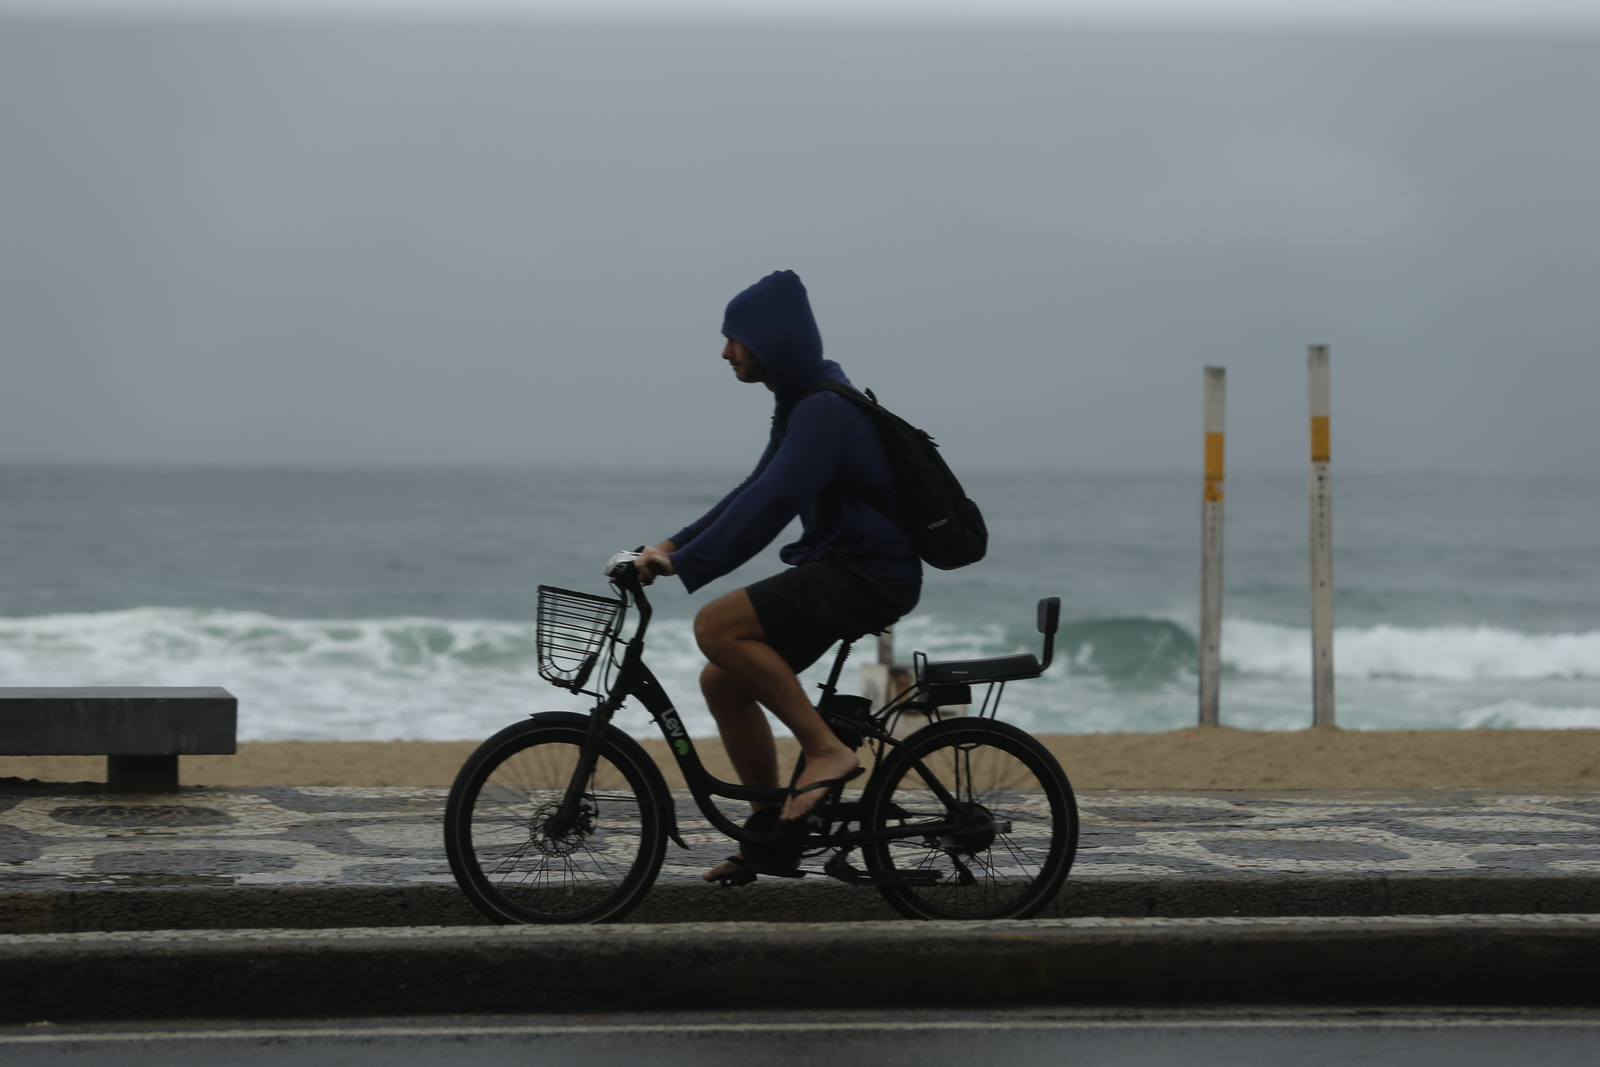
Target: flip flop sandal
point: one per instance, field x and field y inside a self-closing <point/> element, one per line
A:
<point x="744" y="875"/>
<point x="834" y="787"/>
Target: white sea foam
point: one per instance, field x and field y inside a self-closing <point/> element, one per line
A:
<point x="407" y="677"/>
<point x="313" y="679"/>
<point x="1519" y="714"/>
<point x="444" y="679"/>
<point x="1450" y="653"/>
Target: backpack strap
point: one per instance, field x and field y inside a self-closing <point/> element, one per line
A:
<point x="868" y="403"/>
<point x="780" y="416"/>
<point x="827" y="385"/>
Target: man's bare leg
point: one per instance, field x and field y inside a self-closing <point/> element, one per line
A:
<point x="747" y="737"/>
<point x="731" y="637"/>
<point x="746" y="734"/>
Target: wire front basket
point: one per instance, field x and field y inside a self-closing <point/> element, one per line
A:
<point x="573" y="630"/>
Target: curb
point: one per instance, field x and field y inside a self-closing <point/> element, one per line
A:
<point x="1505" y="961"/>
<point x="683" y="900"/>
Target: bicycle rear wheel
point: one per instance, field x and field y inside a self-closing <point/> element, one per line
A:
<point x="1020" y="822"/>
<point x="510" y="855"/>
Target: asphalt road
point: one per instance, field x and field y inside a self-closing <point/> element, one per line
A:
<point x="1233" y="1038"/>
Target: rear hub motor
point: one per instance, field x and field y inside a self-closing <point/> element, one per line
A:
<point x="976" y="833"/>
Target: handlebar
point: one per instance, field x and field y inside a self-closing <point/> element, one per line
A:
<point x="625" y="576"/>
<point x="619" y="566"/>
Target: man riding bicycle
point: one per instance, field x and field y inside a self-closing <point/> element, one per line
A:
<point x="852" y="571"/>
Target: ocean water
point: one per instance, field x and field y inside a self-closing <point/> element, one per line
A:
<point x="372" y="604"/>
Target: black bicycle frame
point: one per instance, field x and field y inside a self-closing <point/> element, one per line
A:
<point x="634" y="680"/>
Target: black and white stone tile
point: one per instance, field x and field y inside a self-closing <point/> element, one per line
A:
<point x="376" y="836"/>
<point x="270" y="835"/>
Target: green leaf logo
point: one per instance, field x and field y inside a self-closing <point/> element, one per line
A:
<point x="682" y="747"/>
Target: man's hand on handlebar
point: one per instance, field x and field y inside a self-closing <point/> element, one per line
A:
<point x="647" y="561"/>
<point x="652" y="561"/>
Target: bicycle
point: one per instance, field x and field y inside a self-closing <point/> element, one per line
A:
<point x="564" y="818"/>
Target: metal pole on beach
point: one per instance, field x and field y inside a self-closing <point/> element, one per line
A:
<point x="1216" y="395"/>
<point x="885" y="678"/>
<point x="1321" y="542"/>
<point x="882" y="678"/>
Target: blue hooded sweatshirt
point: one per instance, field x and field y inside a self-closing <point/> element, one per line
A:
<point x="824" y="461"/>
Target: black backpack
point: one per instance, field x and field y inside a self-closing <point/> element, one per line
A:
<point x="945" y="527"/>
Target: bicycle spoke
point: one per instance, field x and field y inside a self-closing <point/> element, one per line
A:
<point x="1018" y="828"/>
<point x="519" y="860"/>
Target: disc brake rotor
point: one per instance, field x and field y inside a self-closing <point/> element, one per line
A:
<point x="552" y="842"/>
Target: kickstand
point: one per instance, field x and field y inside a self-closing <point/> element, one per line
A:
<point x="964" y="875"/>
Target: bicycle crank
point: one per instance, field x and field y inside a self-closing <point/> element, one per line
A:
<point x="840" y="868"/>
<point x="777" y="849"/>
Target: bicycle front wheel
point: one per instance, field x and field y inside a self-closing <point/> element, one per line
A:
<point x="511" y="853"/>
<point x="1018" y="822"/>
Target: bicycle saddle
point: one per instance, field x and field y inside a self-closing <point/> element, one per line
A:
<point x="990" y="669"/>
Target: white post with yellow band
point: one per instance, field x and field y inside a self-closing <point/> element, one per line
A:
<point x="1321" y="542"/>
<point x="1216" y="395"/>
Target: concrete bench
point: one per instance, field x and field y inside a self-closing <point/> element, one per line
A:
<point x="141" y="730"/>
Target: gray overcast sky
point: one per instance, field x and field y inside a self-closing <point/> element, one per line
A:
<point x="509" y="240"/>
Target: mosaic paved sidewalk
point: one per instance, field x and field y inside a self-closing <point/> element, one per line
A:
<point x="286" y="836"/>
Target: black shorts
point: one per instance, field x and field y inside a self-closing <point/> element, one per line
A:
<point x="805" y="610"/>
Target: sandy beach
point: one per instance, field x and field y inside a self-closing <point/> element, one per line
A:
<point x="1218" y="758"/>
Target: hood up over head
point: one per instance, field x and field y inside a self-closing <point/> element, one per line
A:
<point x="773" y="319"/>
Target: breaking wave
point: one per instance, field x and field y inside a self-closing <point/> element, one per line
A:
<point x="449" y="679"/>
<point x="1449" y="653"/>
